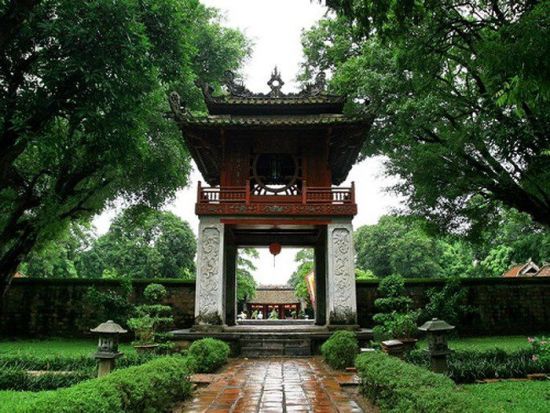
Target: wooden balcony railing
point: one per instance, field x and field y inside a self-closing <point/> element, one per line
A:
<point x="309" y="201"/>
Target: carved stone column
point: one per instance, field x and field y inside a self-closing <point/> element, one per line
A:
<point x="342" y="300"/>
<point x="209" y="294"/>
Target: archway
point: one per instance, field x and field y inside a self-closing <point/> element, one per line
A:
<point x="261" y="235"/>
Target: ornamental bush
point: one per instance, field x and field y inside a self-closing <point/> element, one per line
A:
<point x="151" y="387"/>
<point x="400" y="387"/>
<point x="152" y="319"/>
<point x="209" y="354"/>
<point x="395" y="318"/>
<point x="541" y="350"/>
<point x="340" y="349"/>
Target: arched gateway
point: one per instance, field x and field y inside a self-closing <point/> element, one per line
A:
<point x="273" y="164"/>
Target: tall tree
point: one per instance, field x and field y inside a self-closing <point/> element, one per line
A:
<point x="142" y="243"/>
<point x="246" y="284"/>
<point x="397" y="245"/>
<point x="306" y="263"/>
<point x="83" y="87"/>
<point x="61" y="257"/>
<point x="459" y="92"/>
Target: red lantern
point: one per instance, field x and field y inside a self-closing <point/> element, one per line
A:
<point x="274" y="249"/>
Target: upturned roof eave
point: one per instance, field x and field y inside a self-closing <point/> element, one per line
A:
<point x="271" y="121"/>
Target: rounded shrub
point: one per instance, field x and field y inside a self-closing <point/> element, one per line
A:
<point x="209" y="354"/>
<point x="154" y="293"/>
<point x="340" y="349"/>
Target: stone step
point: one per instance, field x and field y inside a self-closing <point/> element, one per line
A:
<point x="269" y="347"/>
<point x="259" y="352"/>
<point x="256" y="352"/>
<point x="275" y="343"/>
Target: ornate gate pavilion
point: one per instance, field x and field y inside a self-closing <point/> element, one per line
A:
<point x="273" y="164"/>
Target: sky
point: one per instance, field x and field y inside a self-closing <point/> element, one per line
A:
<point x="275" y="26"/>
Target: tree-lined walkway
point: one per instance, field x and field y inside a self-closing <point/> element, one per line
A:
<point x="274" y="385"/>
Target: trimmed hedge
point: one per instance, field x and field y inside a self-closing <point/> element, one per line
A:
<point x="209" y="354"/>
<point x="467" y="366"/>
<point x="66" y="363"/>
<point x="151" y="387"/>
<point x="19" y="379"/>
<point x="397" y="386"/>
<point x="340" y="349"/>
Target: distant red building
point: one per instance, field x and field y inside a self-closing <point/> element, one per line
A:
<point x="282" y="299"/>
<point x="527" y="269"/>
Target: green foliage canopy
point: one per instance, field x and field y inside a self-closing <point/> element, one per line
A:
<point x="397" y="245"/>
<point x="306" y="261"/>
<point x="408" y="246"/>
<point x="142" y="243"/>
<point x="83" y="87"/>
<point x="246" y="284"/>
<point x="459" y="93"/>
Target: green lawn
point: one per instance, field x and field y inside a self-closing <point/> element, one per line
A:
<point x="58" y="347"/>
<point x="511" y="396"/>
<point x="508" y="343"/>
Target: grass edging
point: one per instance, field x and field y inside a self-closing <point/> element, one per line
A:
<point x="153" y="386"/>
<point x="397" y="386"/>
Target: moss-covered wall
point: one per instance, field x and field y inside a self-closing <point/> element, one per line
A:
<point x="55" y="307"/>
<point x="500" y="305"/>
<point x="36" y="307"/>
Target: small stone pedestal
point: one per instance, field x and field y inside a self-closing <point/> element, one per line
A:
<point x="105" y="365"/>
<point x="394" y="348"/>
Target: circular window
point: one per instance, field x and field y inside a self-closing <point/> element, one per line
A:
<point x="275" y="172"/>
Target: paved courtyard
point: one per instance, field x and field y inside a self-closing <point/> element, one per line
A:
<point x="274" y="385"/>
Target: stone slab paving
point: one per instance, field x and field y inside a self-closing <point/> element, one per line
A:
<point x="277" y="385"/>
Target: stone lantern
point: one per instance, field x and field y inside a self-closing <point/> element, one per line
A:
<point x="107" y="346"/>
<point x="436" y="331"/>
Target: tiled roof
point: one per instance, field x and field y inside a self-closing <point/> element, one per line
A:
<point x="544" y="271"/>
<point x="266" y="100"/>
<point x="306" y="120"/>
<point x="275" y="296"/>
<point x="513" y="271"/>
<point x="522" y="270"/>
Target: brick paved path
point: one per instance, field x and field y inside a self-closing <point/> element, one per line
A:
<point x="274" y="385"/>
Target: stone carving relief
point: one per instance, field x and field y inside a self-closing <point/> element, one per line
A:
<point x="343" y="271"/>
<point x="209" y="274"/>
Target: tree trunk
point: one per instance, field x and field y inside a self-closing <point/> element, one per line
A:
<point x="13" y="257"/>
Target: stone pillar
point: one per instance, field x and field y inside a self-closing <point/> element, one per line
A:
<point x="321" y="281"/>
<point x="209" y="295"/>
<point x="230" y="262"/>
<point x="342" y="300"/>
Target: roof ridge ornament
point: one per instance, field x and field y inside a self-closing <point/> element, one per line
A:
<point x="318" y="87"/>
<point x="276" y="84"/>
<point x="236" y="88"/>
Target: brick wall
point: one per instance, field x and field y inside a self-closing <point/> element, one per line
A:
<point x="35" y="307"/>
<point x="501" y="305"/>
<point x="54" y="307"/>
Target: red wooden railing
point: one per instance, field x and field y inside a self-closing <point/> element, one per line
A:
<point x="309" y="195"/>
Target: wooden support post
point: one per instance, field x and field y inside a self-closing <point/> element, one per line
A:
<point x="247" y="192"/>
<point x="199" y="193"/>
<point x="304" y="192"/>
<point x="353" y="192"/>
